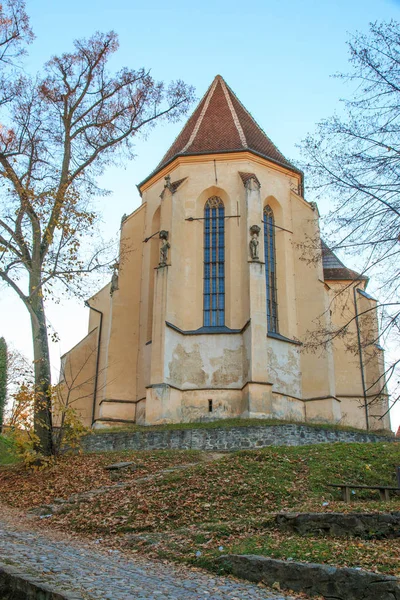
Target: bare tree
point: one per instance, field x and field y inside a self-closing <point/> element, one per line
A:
<point x="354" y="160"/>
<point x="15" y="34"/>
<point x="58" y="134"/>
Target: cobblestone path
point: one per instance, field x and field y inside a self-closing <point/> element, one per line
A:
<point x="81" y="568"/>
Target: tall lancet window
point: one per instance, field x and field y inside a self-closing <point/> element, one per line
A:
<point x="270" y="269"/>
<point x="214" y="262"/>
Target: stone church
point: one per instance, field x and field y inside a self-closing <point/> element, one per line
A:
<point x="213" y="303"/>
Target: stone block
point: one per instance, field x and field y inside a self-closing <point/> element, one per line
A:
<point x="313" y="579"/>
<point x="364" y="525"/>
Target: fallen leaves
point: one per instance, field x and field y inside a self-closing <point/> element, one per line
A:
<point x="190" y="514"/>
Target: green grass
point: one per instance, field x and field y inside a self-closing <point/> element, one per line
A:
<point x="227" y="423"/>
<point x="231" y="503"/>
<point x="221" y="506"/>
<point x="7" y="453"/>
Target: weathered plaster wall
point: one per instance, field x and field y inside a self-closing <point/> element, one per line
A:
<point x="286" y="407"/>
<point x="284" y="367"/>
<point x="205" y="361"/>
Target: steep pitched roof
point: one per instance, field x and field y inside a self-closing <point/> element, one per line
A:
<point x="220" y="123"/>
<point x="334" y="269"/>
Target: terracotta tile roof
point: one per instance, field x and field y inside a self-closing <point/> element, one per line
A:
<point x="334" y="269"/>
<point x="246" y="176"/>
<point x="220" y="123"/>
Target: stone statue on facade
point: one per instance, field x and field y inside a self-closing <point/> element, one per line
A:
<point x="254" y="242"/>
<point x="165" y="246"/>
<point x="114" y="279"/>
<point x="168" y="183"/>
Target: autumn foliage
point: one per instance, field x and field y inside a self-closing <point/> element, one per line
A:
<point x="59" y="130"/>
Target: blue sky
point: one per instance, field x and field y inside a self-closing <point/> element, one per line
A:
<point x="278" y="57"/>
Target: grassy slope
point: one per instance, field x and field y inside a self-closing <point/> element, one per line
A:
<point x="226" y="423"/>
<point x="227" y="503"/>
<point x="7" y="456"/>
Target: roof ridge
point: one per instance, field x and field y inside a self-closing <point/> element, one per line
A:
<point x="233" y="112"/>
<point x="196" y="128"/>
<point x="256" y="122"/>
<point x="186" y="124"/>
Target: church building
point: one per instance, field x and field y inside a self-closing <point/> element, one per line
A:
<point x="217" y="299"/>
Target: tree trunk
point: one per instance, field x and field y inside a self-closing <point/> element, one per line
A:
<point x="42" y="409"/>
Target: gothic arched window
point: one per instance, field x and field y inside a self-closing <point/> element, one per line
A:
<point x="214" y="263"/>
<point x="270" y="269"/>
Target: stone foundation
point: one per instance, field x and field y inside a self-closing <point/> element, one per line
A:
<point x="223" y="439"/>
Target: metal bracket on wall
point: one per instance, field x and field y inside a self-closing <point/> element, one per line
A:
<point x="278" y="227"/>
<point x="203" y="218"/>
<point x="149" y="238"/>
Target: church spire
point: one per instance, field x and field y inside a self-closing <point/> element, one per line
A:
<point x="220" y="123"/>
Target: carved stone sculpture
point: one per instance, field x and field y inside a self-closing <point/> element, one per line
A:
<point x="168" y="183"/>
<point x="114" y="279"/>
<point x="165" y="246"/>
<point x="254" y="242"/>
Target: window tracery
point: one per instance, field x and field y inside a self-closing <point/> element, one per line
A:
<point x="214" y="263"/>
<point x="270" y="269"/>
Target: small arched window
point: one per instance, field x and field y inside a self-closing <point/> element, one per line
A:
<point x="214" y="263"/>
<point x="270" y="269"/>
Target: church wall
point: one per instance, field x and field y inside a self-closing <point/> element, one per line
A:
<point x="275" y="192"/>
<point x="312" y="302"/>
<point x="181" y="364"/>
<point x="77" y="379"/>
<point x="225" y="405"/>
<point x="349" y="387"/>
<point x="374" y="364"/>
<point x="287" y="408"/>
<point x="326" y="410"/>
<point x="168" y="405"/>
<point x="284" y="367"/>
<point x="102" y="302"/>
<point x="283" y="362"/>
<point x="345" y="347"/>
<point x="186" y="238"/>
<point x="205" y="361"/>
<point x="123" y="327"/>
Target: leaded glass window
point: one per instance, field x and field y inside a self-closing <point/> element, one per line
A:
<point x="214" y="262"/>
<point x="270" y="269"/>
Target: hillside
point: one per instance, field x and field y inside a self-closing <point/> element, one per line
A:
<point x="217" y="503"/>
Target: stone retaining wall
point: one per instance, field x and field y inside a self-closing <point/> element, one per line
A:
<point x="364" y="525"/>
<point x="232" y="438"/>
<point x="313" y="579"/>
<point x="15" y="584"/>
